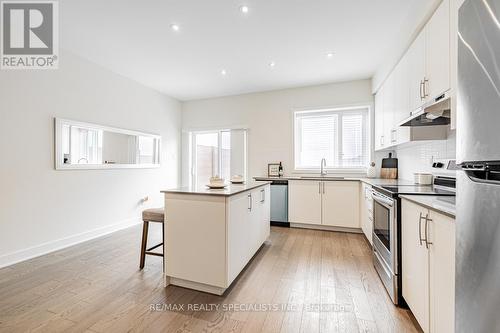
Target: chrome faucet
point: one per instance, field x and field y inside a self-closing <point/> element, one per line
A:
<point x="323" y="166"/>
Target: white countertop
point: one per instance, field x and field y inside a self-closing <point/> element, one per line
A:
<point x="370" y="181"/>
<point x="441" y="204"/>
<point x="229" y="190"/>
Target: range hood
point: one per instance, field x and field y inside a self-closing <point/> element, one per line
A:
<point x="433" y="113"/>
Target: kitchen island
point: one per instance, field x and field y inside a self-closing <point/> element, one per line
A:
<point x="211" y="235"/>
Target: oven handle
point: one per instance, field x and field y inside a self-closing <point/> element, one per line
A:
<point x="382" y="199"/>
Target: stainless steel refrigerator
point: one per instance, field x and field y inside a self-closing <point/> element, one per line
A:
<point x="477" y="284"/>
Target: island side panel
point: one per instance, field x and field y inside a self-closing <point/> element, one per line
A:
<point x="195" y="238"/>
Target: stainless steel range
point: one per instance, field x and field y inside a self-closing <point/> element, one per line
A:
<point x="387" y="228"/>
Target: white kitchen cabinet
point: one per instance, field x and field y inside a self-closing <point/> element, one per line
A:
<point x="416" y="60"/>
<point x="428" y="266"/>
<point x="240" y="233"/>
<point x="442" y="272"/>
<point x="366" y="211"/>
<point x="340" y="204"/>
<point x="425" y="72"/>
<point x="379" y="119"/>
<point x="437" y="52"/>
<point x="248" y="227"/>
<point x="265" y="213"/>
<point x="210" y="238"/>
<point x="402" y="134"/>
<point x="328" y="203"/>
<point x="454" y="7"/>
<point x="415" y="262"/>
<point x="389" y="106"/>
<point x="304" y="201"/>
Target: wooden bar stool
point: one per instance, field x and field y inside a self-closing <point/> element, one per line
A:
<point x="151" y="215"/>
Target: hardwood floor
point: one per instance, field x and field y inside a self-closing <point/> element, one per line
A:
<point x="326" y="279"/>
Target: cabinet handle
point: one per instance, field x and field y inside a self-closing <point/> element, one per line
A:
<point x="421" y="90"/>
<point x="262" y="195"/>
<point x="427" y="219"/>
<point x="426" y="81"/>
<point x="381" y="140"/>
<point x="420" y="239"/>
<point x="323" y="187"/>
<point x="250" y="202"/>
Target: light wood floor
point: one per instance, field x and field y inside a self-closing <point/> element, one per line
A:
<point x="97" y="287"/>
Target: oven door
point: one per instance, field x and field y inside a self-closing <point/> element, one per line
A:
<point x="384" y="229"/>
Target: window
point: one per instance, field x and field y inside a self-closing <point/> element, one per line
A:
<point x="218" y="153"/>
<point x="339" y="135"/>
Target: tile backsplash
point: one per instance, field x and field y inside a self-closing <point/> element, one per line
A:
<point x="418" y="156"/>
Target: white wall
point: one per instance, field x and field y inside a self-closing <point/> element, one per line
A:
<point x="268" y="116"/>
<point x="418" y="156"/>
<point x="41" y="208"/>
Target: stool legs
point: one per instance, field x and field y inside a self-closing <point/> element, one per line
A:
<point x="145" y="228"/>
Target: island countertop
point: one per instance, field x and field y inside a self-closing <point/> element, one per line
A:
<point x="229" y="190"/>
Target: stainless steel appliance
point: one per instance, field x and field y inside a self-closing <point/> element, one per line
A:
<point x="387" y="228"/>
<point x="279" y="202"/>
<point x="477" y="288"/>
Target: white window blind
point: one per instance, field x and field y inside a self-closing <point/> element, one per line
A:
<point x="340" y="136"/>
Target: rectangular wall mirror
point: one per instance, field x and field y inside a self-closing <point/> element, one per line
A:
<point x="90" y="146"/>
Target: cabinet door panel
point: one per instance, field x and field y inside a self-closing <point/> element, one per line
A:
<point x="341" y="204"/>
<point x="389" y="107"/>
<point x="366" y="212"/>
<point x="379" y="119"/>
<point x="442" y="273"/>
<point x="416" y="58"/>
<point x="265" y="217"/>
<point x="438" y="51"/>
<point x="415" y="263"/>
<point x="304" y="201"/>
<point x="239" y="242"/>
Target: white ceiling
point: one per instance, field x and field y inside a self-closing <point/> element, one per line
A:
<point x="134" y="39"/>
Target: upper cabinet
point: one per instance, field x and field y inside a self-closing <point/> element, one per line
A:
<point x="423" y="73"/>
<point x="437" y="52"/>
<point x="379" y="120"/>
<point x="416" y="77"/>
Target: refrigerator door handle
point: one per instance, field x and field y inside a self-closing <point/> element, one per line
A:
<point x="483" y="175"/>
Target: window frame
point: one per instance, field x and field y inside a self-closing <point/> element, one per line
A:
<point x="335" y="170"/>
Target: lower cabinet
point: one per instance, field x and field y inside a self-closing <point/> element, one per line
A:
<point x="329" y="203"/>
<point x="340" y="204"/>
<point x="304" y="201"/>
<point x="366" y="211"/>
<point x="428" y="266"/>
<point x="248" y="227"/>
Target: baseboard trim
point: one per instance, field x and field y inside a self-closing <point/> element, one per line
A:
<point x="326" y="228"/>
<point x="194" y="285"/>
<point x="59" y="244"/>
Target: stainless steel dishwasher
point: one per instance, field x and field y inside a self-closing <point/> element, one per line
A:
<point x="279" y="203"/>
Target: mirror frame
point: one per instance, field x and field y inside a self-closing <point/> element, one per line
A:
<point x="59" y="165"/>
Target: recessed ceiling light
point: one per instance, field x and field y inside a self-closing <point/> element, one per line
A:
<point x="223" y="72"/>
<point x="272" y="64"/>
<point x="175" y="27"/>
<point x="244" y="9"/>
<point x="330" y="55"/>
